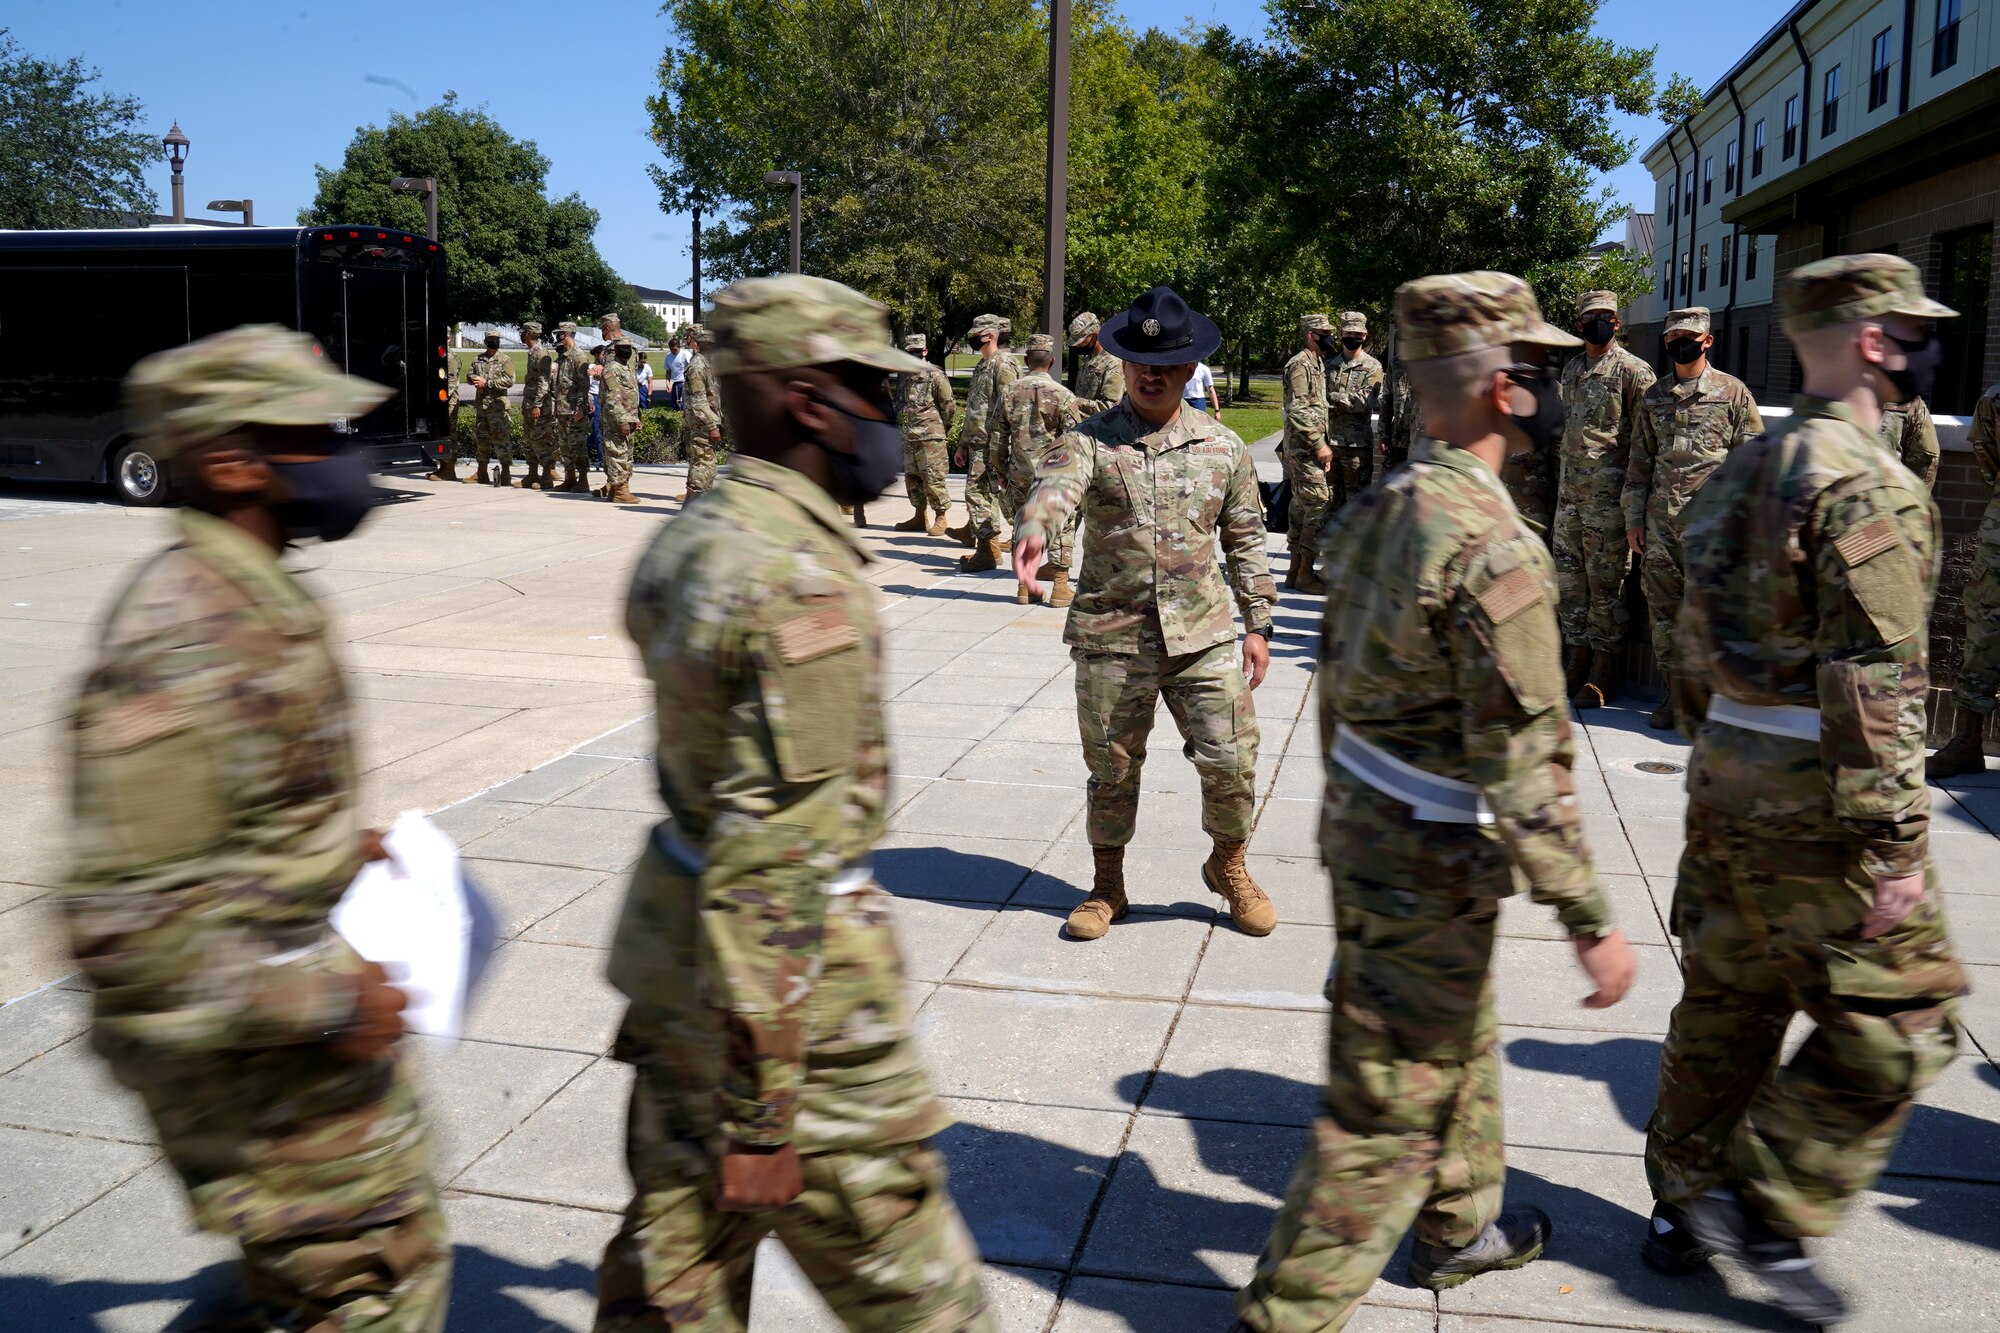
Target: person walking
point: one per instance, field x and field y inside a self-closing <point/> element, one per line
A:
<point x="990" y="378"/>
<point x="925" y="409"/>
<point x="1034" y="412"/>
<point x="1306" y="453"/>
<point x="1161" y="488"/>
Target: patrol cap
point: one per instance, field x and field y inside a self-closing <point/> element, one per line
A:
<point x="1353" y="321"/>
<point x="621" y="341"/>
<point x="1042" y="342"/>
<point x="1314" y="323"/>
<point x="259" y="374"/>
<point x="492" y="335"/>
<point x="531" y="327"/>
<point x="914" y="342"/>
<point x="796" y="319"/>
<point x="984" y="324"/>
<point x="1451" y="313"/>
<point x="1693" y="319"/>
<point x="1851" y="287"/>
<point x="699" y="332"/>
<point x="567" y="326"/>
<point x="1082" y="327"/>
<point x="1589" y="301"/>
<point x="611" y="319"/>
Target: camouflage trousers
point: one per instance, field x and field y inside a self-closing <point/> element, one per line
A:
<point x="492" y="438"/>
<point x="1116" y="695"/>
<point x="1353" y="469"/>
<point x="1770" y="926"/>
<point x="617" y="448"/>
<point x="1062" y="545"/>
<point x="1531" y="481"/>
<point x="923" y="475"/>
<point x="1592" y="558"/>
<point x="1312" y="497"/>
<point x="1410" y="1129"/>
<point x="1663" y="575"/>
<point x="540" y="440"/>
<point x="575" y="444"/>
<point x="702" y="456"/>
<point x="1979" y="669"/>
<point x="874" y="1230"/>
<point x="320" y="1171"/>
<point x="982" y="495"/>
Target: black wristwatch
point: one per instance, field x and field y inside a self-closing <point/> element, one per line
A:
<point x="1261" y="631"/>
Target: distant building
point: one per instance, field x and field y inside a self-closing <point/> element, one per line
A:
<point x="673" y="309"/>
<point x="1851" y="126"/>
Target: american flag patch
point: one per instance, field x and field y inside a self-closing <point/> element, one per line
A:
<point x="813" y="634"/>
<point x="1511" y="594"/>
<point x="1865" y="543"/>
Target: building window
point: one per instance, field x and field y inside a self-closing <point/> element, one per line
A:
<point x="1687" y="192"/>
<point x="1829" y="103"/>
<point x="1757" y="150"/>
<point x="1673" y="199"/>
<point x="1708" y="181"/>
<point x="1732" y="161"/>
<point x="1685" y="264"/>
<point x="1944" y="42"/>
<point x="1702" y="271"/>
<point x="1722" y="273"/>
<point x="1878" y="70"/>
<point x="1791" y="126"/>
<point x="1750" y="260"/>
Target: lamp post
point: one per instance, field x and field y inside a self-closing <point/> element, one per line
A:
<point x="427" y="188"/>
<point x="244" y="206"/>
<point x="791" y="179"/>
<point x="176" y="144"/>
<point x="1058" y="170"/>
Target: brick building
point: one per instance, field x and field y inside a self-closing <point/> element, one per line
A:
<point x="1850" y="126"/>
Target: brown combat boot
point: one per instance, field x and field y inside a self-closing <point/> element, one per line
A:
<point x="1964" y="753"/>
<point x="478" y="477"/>
<point x="1291" y="568"/>
<point x="623" y="495"/>
<point x="937" y="527"/>
<point x="985" y="555"/>
<point x="861" y="516"/>
<point x="1602" y="685"/>
<point x="964" y="536"/>
<point x="1225" y="874"/>
<point x="1663" y="717"/>
<point x="914" y="523"/>
<point x="1576" y="668"/>
<point x="1310" y="583"/>
<point x="1106" y="903"/>
<point x="1060" y="592"/>
<point x="1023" y="594"/>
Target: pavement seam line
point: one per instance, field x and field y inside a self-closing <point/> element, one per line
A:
<point x="516" y="1126"/>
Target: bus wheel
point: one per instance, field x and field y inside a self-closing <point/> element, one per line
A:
<point x="138" y="476"/>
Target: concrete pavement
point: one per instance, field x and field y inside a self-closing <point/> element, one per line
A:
<point x="1128" y="1110"/>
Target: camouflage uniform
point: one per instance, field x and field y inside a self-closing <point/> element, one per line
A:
<point x="570" y="401"/>
<point x="927" y="409"/>
<point x="1684" y="429"/>
<point x="538" y="397"/>
<point x="1152" y="610"/>
<point x="1811" y="567"/>
<point x="983" y="483"/>
<point x="492" y="433"/>
<point x="618" y="398"/>
<point x="1402" y="419"/>
<point x="214" y="830"/>
<point x="1353" y="394"/>
<point x="700" y="417"/>
<point x="1979" y="668"/>
<point x="764" y="987"/>
<point x="1034" y="413"/>
<point x="1100" y="380"/>
<point x="1601" y="399"/>
<point x="1304" y="436"/>
<point x="1908" y="432"/>
<point x="1440" y="652"/>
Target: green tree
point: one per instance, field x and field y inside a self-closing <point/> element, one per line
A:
<point x="511" y="251"/>
<point x="1405" y="137"/>
<point x="70" y="154"/>
<point x="1680" y="100"/>
<point x="634" y="317"/>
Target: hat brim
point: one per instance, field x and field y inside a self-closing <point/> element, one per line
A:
<point x="1207" y="338"/>
<point x="1925" y="309"/>
<point x="1685" y="326"/>
<point x="1541" y="333"/>
<point x="345" y="396"/>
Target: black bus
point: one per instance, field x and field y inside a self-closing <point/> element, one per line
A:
<point x="78" y="308"/>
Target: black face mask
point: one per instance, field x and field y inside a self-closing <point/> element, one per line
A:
<point x="330" y="496"/>
<point x="1597" y="330"/>
<point x="1543" y="426"/>
<point x="1352" y="344"/>
<point x="1919" y="377"/>
<point x="877" y="458"/>
<point x="1685" y="351"/>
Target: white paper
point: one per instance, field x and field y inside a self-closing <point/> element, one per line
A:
<point x="409" y="914"/>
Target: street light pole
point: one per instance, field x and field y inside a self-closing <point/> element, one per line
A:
<point x="247" y="207"/>
<point x="427" y="187"/>
<point x="697" y="263"/>
<point x="1058" y="171"/>
<point x="176" y="144"/>
<point x="792" y="180"/>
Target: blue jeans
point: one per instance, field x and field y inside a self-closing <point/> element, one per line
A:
<point x="596" y="435"/>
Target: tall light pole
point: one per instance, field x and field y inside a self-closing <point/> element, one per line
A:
<point x="697" y="263"/>
<point x="1058" y="173"/>
<point x="247" y="207"/>
<point x="791" y="179"/>
<point x="427" y="187"/>
<point x="176" y="144"/>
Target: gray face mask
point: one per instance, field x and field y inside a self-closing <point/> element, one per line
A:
<point x="877" y="459"/>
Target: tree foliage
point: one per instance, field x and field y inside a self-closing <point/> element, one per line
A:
<point x="511" y="252"/>
<point x="71" y="155"/>
<point x="1680" y="100"/>
<point x="635" y="317"/>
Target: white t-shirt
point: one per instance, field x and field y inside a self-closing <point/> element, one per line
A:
<point x="1199" y="384"/>
<point x="677" y="366"/>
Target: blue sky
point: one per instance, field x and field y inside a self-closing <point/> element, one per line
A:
<point x="267" y="89"/>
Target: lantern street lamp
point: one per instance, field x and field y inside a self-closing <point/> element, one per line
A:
<point x="176" y="144"/>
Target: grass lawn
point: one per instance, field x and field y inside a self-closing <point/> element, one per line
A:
<point x="1254" y="421"/>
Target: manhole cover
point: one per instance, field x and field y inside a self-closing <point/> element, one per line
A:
<point x="1659" y="767"/>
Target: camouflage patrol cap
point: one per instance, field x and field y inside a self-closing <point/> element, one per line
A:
<point x="1692" y="319"/>
<point x="914" y="342"/>
<point x="984" y="324"/>
<point x="530" y="327"/>
<point x="1082" y="327"/>
<point x="1847" y="288"/>
<point x="700" y="333"/>
<point x="260" y="374"/>
<point x="1314" y="324"/>
<point x="1589" y="301"/>
<point x="1006" y="326"/>
<point x="567" y="326"/>
<point x="799" y="320"/>
<point x="1042" y="342"/>
<point x="621" y="341"/>
<point x="1452" y="313"/>
<point x="1353" y="321"/>
<point x="611" y="319"/>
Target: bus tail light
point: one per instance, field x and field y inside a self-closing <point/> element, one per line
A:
<point x="441" y="395"/>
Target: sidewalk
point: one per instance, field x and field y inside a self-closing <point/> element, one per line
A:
<point x="1128" y="1110"/>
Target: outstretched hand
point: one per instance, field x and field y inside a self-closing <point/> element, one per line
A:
<point x="1028" y="553"/>
<point x="1611" y="965"/>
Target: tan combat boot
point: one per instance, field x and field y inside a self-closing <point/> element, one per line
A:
<point x="1576" y="668"/>
<point x="478" y="477"/>
<point x="1964" y="753"/>
<point x="1291" y="568"/>
<point x="1060" y="592"/>
<point x="622" y="495"/>
<point x="985" y="555"/>
<point x="1663" y="717"/>
<point x="1601" y="687"/>
<point x="1106" y="903"/>
<point x="1225" y="874"/>
<point x="914" y="523"/>
<point x="937" y="527"/>
<point x="1309" y="582"/>
<point x="964" y="536"/>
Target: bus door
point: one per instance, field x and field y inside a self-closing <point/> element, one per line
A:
<point x="380" y="315"/>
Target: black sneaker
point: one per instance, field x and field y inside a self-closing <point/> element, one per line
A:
<point x="1670" y="1247"/>
<point x="1720" y="1222"/>
<point x="1514" y="1240"/>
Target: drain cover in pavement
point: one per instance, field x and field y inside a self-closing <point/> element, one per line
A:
<point x="1659" y="767"/>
